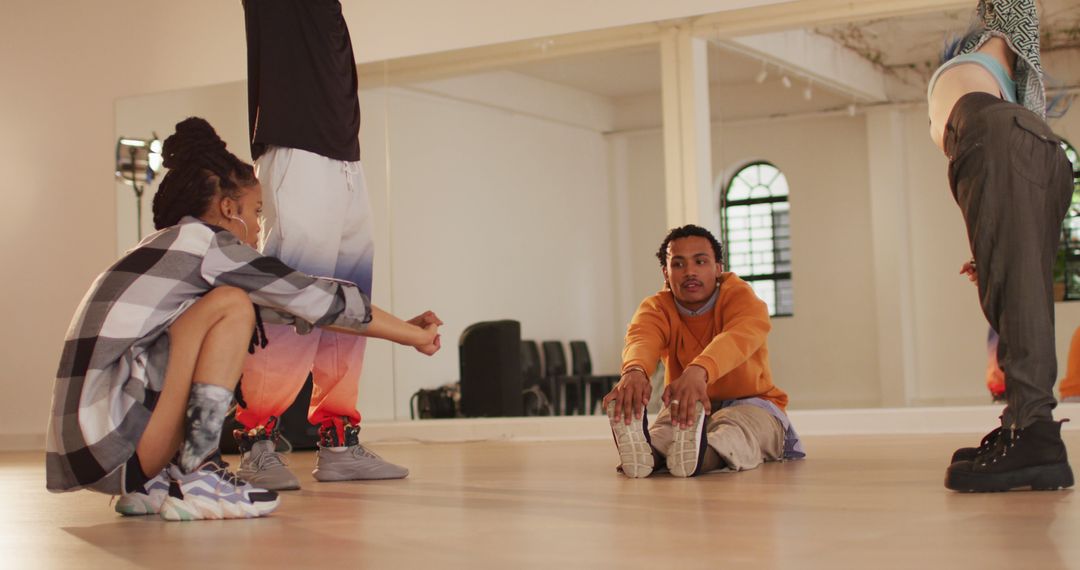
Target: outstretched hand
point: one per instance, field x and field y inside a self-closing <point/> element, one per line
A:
<point x="688" y="389"/>
<point x="424" y="319"/>
<point x="431" y="341"/>
<point x="630" y="395"/>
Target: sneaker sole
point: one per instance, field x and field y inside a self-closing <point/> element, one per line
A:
<point x="688" y="449"/>
<point x="330" y="476"/>
<point x="1037" y="478"/>
<point x="268" y="483"/>
<point x="201" y="508"/>
<point x="635" y="452"/>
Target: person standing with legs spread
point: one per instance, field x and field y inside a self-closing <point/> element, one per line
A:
<point x="304" y="121"/>
<point x="1013" y="183"/>
<point x="156" y="347"/>
<point x="721" y="408"/>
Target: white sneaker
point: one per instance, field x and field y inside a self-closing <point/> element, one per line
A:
<point x="212" y="492"/>
<point x="687" y="451"/>
<point x="145" y="500"/>
<point x="635" y="451"/>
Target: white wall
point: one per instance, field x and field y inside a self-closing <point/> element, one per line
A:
<point x="496" y="215"/>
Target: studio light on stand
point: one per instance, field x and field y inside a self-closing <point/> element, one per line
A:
<point x="137" y="162"/>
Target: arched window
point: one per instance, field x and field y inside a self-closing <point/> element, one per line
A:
<point x="1067" y="267"/>
<point x="757" y="233"/>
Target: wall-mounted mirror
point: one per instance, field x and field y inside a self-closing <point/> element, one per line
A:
<point x="529" y="182"/>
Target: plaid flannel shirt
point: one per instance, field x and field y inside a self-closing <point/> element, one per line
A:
<point x="113" y="363"/>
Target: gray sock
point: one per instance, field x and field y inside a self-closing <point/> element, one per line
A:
<point x="207" y="408"/>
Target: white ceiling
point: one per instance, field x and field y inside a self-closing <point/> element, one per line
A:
<point x="905" y="49"/>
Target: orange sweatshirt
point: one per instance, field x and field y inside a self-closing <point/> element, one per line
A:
<point x="728" y="342"/>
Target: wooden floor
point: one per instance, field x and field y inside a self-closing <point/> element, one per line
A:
<point x="857" y="502"/>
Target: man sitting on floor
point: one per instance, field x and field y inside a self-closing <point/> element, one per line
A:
<point x="721" y="409"/>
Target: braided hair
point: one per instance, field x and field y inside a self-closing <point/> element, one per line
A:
<point x="199" y="169"/>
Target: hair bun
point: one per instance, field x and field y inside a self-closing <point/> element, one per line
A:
<point x="193" y="141"/>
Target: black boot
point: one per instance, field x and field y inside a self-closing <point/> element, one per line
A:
<point x="1032" y="457"/>
<point x="969" y="453"/>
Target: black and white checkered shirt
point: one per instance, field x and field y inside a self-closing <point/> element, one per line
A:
<point x="113" y="363"/>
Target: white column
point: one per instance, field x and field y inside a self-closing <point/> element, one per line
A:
<point x="890" y="229"/>
<point x="687" y="147"/>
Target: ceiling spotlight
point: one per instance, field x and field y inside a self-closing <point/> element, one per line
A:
<point x="851" y="110"/>
<point x="808" y="93"/>
<point x="786" y="82"/>
<point x="762" y="75"/>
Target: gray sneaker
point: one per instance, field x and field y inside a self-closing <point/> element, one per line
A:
<point x="354" y="463"/>
<point x="265" y="468"/>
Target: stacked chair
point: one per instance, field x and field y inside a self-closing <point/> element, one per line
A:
<point x="595" y="387"/>
<point x="503" y="375"/>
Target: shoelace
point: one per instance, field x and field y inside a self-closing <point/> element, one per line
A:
<point x="269" y="460"/>
<point x="1005" y="441"/>
<point x="989" y="441"/>
<point x="361" y="451"/>
<point x="228" y="477"/>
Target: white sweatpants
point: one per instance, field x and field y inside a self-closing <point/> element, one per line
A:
<point x="318" y="221"/>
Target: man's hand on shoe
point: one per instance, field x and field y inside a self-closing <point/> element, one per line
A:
<point x="688" y="389"/>
<point x="631" y="395"/>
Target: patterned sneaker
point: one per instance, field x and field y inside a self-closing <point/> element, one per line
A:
<point x="212" y="492"/>
<point x="635" y="451"/>
<point x="265" y="468"/>
<point x="687" y="451"/>
<point x="352" y="461"/>
<point x="145" y="499"/>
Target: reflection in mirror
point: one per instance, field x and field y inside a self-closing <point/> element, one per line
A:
<point x="879" y="316"/>
<point x="533" y="188"/>
<point x="507" y="199"/>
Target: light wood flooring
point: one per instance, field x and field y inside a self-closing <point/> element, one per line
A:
<point x="856" y="502"/>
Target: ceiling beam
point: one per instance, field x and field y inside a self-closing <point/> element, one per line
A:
<point x="721" y="25"/>
<point x="810" y="13"/>
<point x="822" y="60"/>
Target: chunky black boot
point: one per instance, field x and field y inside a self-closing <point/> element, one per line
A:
<point x="1032" y="457"/>
<point x="969" y="453"/>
